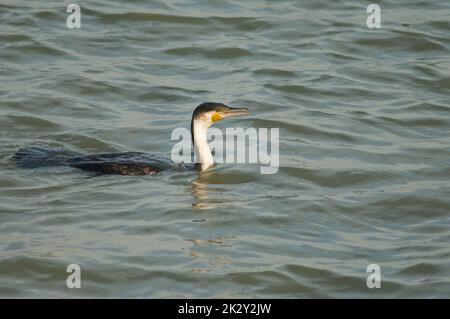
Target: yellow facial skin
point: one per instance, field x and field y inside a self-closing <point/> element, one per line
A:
<point x="216" y="117"/>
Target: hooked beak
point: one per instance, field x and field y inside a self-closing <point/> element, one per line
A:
<point x="234" y="111"/>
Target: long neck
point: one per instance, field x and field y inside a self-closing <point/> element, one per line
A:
<point x="199" y="130"/>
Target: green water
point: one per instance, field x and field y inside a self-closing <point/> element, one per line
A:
<point x="364" y="149"/>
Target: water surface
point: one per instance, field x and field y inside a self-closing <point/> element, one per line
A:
<point x="364" y="149"/>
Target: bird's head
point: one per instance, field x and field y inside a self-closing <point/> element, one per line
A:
<point x="208" y="113"/>
<point x="205" y="115"/>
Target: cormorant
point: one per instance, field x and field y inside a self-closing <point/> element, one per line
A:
<point x="134" y="163"/>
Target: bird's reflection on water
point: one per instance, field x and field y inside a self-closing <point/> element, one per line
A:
<point x="201" y="189"/>
<point x="213" y="251"/>
<point x="209" y="189"/>
<point x="210" y="254"/>
<point x="212" y="190"/>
